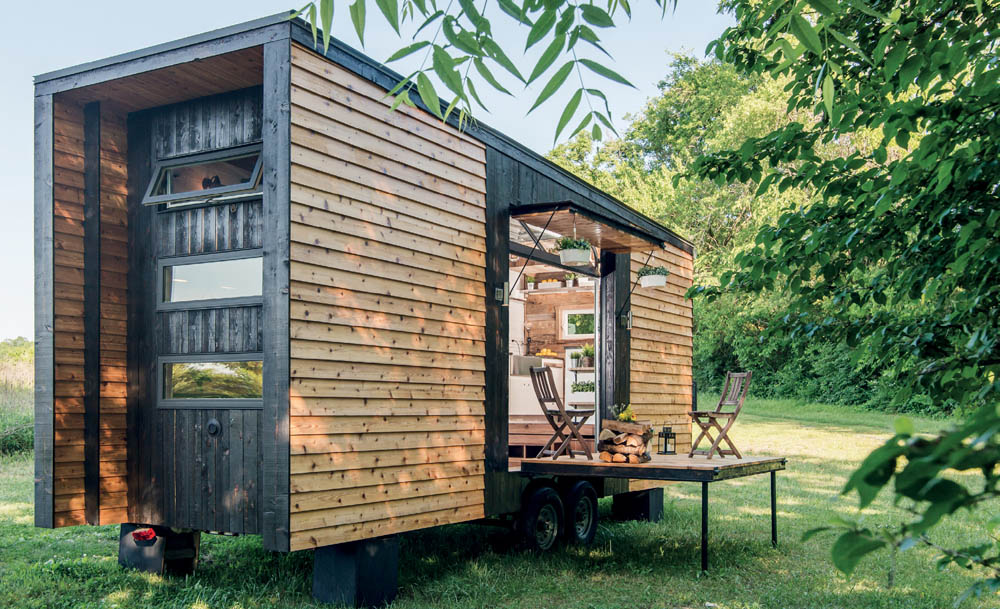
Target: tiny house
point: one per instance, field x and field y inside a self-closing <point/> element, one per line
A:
<point x="268" y="305"/>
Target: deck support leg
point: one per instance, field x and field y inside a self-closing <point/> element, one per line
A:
<point x="704" y="526"/>
<point x="774" y="511"/>
<point x="638" y="505"/>
<point x="358" y="573"/>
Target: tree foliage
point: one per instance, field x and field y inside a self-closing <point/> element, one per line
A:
<point x="910" y="222"/>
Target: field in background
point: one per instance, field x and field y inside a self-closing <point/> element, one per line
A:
<point x="16" y="395"/>
<point x="630" y="564"/>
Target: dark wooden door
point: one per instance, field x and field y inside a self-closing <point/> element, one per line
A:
<point x="201" y="335"/>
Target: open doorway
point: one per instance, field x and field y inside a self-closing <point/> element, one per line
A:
<point x="554" y="322"/>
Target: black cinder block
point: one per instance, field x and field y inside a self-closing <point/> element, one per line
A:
<point x="359" y="573"/>
<point x="639" y="505"/>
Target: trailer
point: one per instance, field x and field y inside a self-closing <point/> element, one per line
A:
<point x="268" y="305"/>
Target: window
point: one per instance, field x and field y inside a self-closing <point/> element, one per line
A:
<point x="238" y="278"/>
<point x="576" y="323"/>
<point x="205" y="177"/>
<point x="216" y="380"/>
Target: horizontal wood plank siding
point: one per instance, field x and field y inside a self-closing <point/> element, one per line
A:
<point x="387" y="313"/>
<point x="661" y="347"/>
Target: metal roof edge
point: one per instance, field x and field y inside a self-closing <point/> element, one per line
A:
<point x="172" y="45"/>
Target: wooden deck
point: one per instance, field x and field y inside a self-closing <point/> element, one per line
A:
<point x="662" y="467"/>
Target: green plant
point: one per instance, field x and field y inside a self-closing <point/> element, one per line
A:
<point x="584" y="387"/>
<point x="529" y="278"/>
<point x="623" y="412"/>
<point x="569" y="243"/>
<point x="569" y="276"/>
<point x="587" y="350"/>
<point x="652" y="270"/>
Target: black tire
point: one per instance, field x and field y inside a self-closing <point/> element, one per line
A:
<point x="580" y="500"/>
<point x="540" y="523"/>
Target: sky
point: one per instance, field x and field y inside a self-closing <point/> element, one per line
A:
<point x="70" y="33"/>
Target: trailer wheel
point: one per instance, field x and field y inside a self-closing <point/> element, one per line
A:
<point x="541" y="520"/>
<point x="580" y="499"/>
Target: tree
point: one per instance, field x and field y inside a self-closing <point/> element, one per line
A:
<point x="915" y="224"/>
<point x="901" y="163"/>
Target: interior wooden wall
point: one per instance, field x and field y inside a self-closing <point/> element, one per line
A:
<point x="68" y="275"/>
<point x="387" y="313"/>
<point x="541" y="319"/>
<point x="661" y="347"/>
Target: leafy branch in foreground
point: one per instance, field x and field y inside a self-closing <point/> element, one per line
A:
<point x="912" y="219"/>
<point x="458" y="38"/>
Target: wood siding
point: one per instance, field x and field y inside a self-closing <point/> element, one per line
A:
<point x="387" y="313"/>
<point x="68" y="273"/>
<point x="660" y="345"/>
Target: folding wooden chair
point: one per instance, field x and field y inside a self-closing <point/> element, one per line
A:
<point x="733" y="394"/>
<point x="561" y="419"/>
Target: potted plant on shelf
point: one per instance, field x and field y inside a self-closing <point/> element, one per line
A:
<point x="573" y="252"/>
<point x="529" y="280"/>
<point x="584" y="387"/>
<point x="584" y="280"/>
<point x="587" y="356"/>
<point x="570" y="280"/>
<point x="653" y="276"/>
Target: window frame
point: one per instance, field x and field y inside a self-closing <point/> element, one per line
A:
<point x="206" y="196"/>
<point x="163" y="403"/>
<point x="565" y="312"/>
<point x="208" y="303"/>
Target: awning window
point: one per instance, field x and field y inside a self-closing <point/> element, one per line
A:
<point x="604" y="231"/>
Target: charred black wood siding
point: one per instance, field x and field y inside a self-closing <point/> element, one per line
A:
<point x="92" y="311"/>
<point x="44" y="313"/>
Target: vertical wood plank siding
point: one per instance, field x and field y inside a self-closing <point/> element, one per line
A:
<point x="661" y="347"/>
<point x="387" y="313"/>
<point x="68" y="233"/>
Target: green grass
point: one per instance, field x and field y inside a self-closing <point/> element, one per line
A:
<point x="630" y="564"/>
<point x="16" y="416"/>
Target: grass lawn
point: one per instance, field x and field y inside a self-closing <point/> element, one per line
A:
<point x="630" y="564"/>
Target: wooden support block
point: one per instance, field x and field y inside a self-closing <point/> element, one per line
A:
<point x="168" y="553"/>
<point x="641" y="505"/>
<point x="358" y="573"/>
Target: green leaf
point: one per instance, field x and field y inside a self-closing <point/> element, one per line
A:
<point x="428" y="95"/>
<point x="596" y="16"/>
<point x="894" y="59"/>
<point x="313" y="24"/>
<point x="583" y="124"/>
<point x="462" y="40"/>
<point x="802" y="30"/>
<point x="568" y="112"/>
<point x="435" y="16"/>
<point x="826" y="7"/>
<point x="850" y="548"/>
<point x="475" y="94"/>
<point x="326" y="22"/>
<point x="553" y="85"/>
<point x="595" y="133"/>
<point x="488" y="76"/>
<point x="909" y="70"/>
<point x="390" y="10"/>
<point x="358" y="18"/>
<point x="496" y="53"/>
<point x="590" y="36"/>
<point x="548" y="58"/>
<point x="541" y="28"/>
<point x="407" y="50"/>
<point x="514" y="11"/>
<point x="904" y="426"/>
<point x="606" y="72"/>
<point x="828" y="94"/>
<point x="444" y="67"/>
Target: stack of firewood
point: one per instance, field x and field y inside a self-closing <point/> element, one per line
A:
<point x="624" y="442"/>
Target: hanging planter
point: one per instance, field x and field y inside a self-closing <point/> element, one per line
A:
<point x="653" y="276"/>
<point x="573" y="252"/>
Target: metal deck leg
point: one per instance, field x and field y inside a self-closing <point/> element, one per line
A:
<point x="774" y="511"/>
<point x="704" y="526"/>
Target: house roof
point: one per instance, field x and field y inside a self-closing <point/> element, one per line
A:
<point x="276" y="27"/>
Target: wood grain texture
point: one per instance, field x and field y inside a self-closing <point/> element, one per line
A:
<point x="661" y="347"/>
<point x="387" y="308"/>
<point x="68" y="223"/>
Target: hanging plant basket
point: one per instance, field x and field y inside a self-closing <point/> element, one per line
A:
<point x="573" y="252"/>
<point x="653" y="281"/>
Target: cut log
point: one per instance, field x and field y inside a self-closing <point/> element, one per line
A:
<point x="639" y="428"/>
<point x="620" y="438"/>
<point x="606" y="434"/>
<point x="633" y="440"/>
<point x="622" y="449"/>
<point x="634" y="459"/>
<point x="619" y="458"/>
<point x="605" y="456"/>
